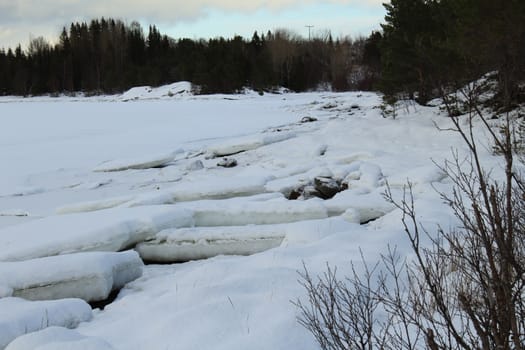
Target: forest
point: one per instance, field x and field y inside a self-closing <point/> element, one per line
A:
<point x="108" y="56"/>
<point x="429" y="47"/>
<point x="423" y="47"/>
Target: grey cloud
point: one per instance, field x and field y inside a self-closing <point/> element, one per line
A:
<point x="163" y="10"/>
<point x="19" y="18"/>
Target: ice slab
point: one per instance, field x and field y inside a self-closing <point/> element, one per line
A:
<point x="105" y="230"/>
<point x="204" y="242"/>
<point x="89" y="276"/>
<point x="14" y="212"/>
<point x="87" y="206"/>
<point x="177" y="245"/>
<point x="144" y="162"/>
<point x="235" y="186"/>
<point x="363" y="207"/>
<point x="19" y="316"/>
<point x="58" y="338"/>
<point x="247" y="143"/>
<point x="238" y="213"/>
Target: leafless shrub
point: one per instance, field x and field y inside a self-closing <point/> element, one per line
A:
<point x="341" y="313"/>
<point x="463" y="290"/>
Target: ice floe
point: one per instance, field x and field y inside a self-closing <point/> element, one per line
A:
<point x="145" y="162"/>
<point x="235" y="186"/>
<point x="247" y="143"/>
<point x="229" y="187"/>
<point x="104" y="230"/>
<point x="58" y="338"/>
<point x="236" y="213"/>
<point x="19" y="316"/>
<point x="89" y="276"/>
<point x="93" y="205"/>
<point x="177" y="245"/>
<point x="204" y="242"/>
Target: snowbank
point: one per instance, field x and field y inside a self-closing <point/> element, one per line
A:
<point x="417" y="176"/>
<point x="90" y="276"/>
<point x="105" y="230"/>
<point x="178" y="89"/>
<point x="369" y="176"/>
<point x="19" y="316"/>
<point x="58" y="338"/>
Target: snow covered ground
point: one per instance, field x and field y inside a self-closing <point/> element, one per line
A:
<point x="145" y="170"/>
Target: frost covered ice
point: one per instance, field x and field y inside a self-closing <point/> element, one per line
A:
<point x="89" y="276"/>
<point x="19" y="316"/>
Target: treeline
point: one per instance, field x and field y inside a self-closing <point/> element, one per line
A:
<point x="430" y="45"/>
<point x="424" y="47"/>
<point x="108" y="55"/>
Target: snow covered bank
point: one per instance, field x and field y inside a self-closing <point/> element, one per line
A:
<point x="19" y="316"/>
<point x="105" y="230"/>
<point x="88" y="276"/>
<point x="179" y="89"/>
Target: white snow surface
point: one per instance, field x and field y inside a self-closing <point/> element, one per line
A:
<point x="20" y="316"/>
<point x="89" y="276"/>
<point x="191" y="207"/>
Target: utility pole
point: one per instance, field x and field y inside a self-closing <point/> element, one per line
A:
<point x="309" y="31"/>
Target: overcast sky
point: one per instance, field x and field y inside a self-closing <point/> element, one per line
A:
<point x="22" y="19"/>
